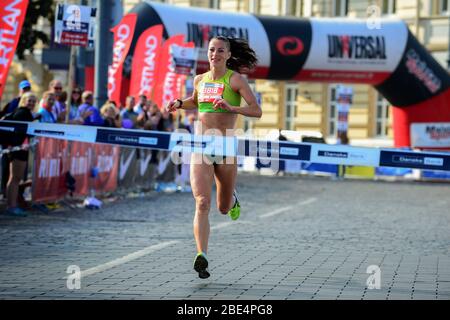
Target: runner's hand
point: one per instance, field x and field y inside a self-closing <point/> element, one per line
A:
<point x="172" y="106"/>
<point x="222" y="104"/>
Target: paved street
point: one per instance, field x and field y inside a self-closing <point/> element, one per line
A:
<point x="298" y="238"/>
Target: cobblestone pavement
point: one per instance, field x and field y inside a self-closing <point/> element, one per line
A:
<point x="297" y="238"/>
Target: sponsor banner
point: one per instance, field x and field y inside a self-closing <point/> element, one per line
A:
<point x="347" y="155"/>
<point x="134" y="138"/>
<point x="212" y="145"/>
<point x="166" y="78"/>
<point x="62" y="131"/>
<point x="200" y="25"/>
<point x="172" y="83"/>
<point x="123" y="35"/>
<point x="283" y="150"/>
<point x="106" y="166"/>
<point x="290" y="42"/>
<point x="184" y="59"/>
<point x="145" y="62"/>
<point x="74" y="25"/>
<point x="127" y="167"/>
<point x="430" y="135"/>
<point x="145" y="167"/>
<point x="12" y="15"/>
<point x="319" y="167"/>
<point x="180" y="84"/>
<point x="418" y="78"/>
<point x="274" y="149"/>
<point x="49" y="170"/>
<point x="369" y="77"/>
<point x="418" y="160"/>
<point x="359" y="171"/>
<point x="435" y="109"/>
<point x="389" y="171"/>
<point x="344" y="45"/>
<point x="81" y="162"/>
<point x="439" y="175"/>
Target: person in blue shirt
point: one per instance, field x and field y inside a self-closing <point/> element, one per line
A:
<point x="128" y="111"/>
<point x="24" y="86"/>
<point x="45" y="113"/>
<point x="95" y="118"/>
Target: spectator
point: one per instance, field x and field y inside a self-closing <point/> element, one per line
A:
<point x="45" y="113"/>
<point x="155" y="119"/>
<point x="128" y="112"/>
<point x="74" y="112"/>
<point x="342" y="139"/>
<point x="94" y="119"/>
<point x="24" y="86"/>
<point x="18" y="159"/>
<point x="60" y="103"/>
<point x="110" y="115"/>
<point x="190" y="126"/>
<point x="167" y="121"/>
<point x="143" y="119"/>
<point x="141" y="104"/>
<point x="55" y="87"/>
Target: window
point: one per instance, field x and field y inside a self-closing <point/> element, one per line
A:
<point x="291" y="93"/>
<point x="381" y="117"/>
<point x="340" y="8"/>
<point x="292" y="7"/>
<point x="214" y="4"/>
<point x="444" y="7"/>
<point x="254" y="6"/>
<point x="332" y="110"/>
<point x="389" y="6"/>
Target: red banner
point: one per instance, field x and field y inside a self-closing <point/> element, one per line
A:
<point x="181" y="80"/>
<point x="166" y="79"/>
<point x="81" y="161"/>
<point x="123" y="34"/>
<point x="12" y="14"/>
<point x="107" y="166"/>
<point x="145" y="62"/>
<point x="94" y="166"/>
<point x="50" y="168"/>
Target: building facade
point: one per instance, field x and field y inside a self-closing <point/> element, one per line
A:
<point x="308" y="106"/>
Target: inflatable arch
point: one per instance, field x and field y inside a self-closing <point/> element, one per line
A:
<point x="323" y="49"/>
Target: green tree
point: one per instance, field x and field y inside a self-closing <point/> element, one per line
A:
<point x="29" y="36"/>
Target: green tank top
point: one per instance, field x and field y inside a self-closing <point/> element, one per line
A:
<point x="208" y="90"/>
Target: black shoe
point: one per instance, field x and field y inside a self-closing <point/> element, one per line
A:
<point x="201" y="265"/>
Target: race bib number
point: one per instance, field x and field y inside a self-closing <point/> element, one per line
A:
<point x="209" y="91"/>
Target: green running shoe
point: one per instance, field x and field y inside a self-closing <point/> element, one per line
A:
<point x="235" y="211"/>
<point x="201" y="265"/>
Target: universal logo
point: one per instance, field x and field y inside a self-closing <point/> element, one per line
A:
<point x="290" y="46"/>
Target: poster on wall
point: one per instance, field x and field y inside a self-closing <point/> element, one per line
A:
<point x="344" y="97"/>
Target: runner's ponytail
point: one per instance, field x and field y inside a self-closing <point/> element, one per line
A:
<point x="243" y="58"/>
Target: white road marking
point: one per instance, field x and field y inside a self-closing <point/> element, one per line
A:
<point x="229" y="223"/>
<point x="281" y="210"/>
<point x="127" y="258"/>
<point x="162" y="245"/>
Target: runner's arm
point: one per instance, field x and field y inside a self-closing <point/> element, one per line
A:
<point x="251" y="109"/>
<point x="189" y="103"/>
